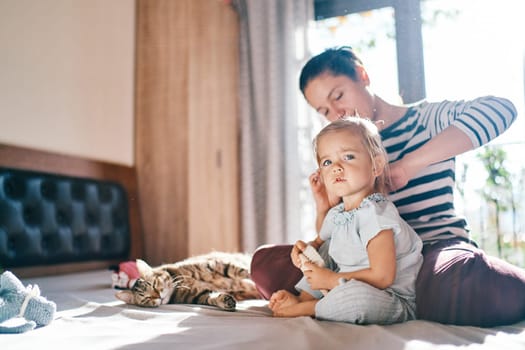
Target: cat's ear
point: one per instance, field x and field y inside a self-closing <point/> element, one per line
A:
<point x="125" y="295"/>
<point x="143" y="268"/>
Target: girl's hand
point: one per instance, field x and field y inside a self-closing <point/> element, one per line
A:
<point x="297" y="249"/>
<point x="323" y="201"/>
<point x="320" y="277"/>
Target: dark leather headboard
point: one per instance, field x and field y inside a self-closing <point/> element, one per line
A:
<point x="61" y="213"/>
<point x="50" y="219"/>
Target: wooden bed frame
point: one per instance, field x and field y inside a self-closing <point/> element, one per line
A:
<point x="36" y="160"/>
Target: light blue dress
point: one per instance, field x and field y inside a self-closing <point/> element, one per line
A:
<point x="346" y="235"/>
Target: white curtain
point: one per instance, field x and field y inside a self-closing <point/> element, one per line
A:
<point x="272" y="51"/>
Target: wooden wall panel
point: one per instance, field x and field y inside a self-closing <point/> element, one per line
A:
<point x="186" y="127"/>
<point x="213" y="127"/>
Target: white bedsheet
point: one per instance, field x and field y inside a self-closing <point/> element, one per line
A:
<point x="89" y="317"/>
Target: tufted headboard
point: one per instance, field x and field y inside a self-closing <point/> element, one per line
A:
<point x="61" y="213"/>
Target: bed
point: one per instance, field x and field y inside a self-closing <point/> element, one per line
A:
<point x="78" y="279"/>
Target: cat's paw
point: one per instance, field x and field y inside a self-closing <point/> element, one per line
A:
<point x="226" y="302"/>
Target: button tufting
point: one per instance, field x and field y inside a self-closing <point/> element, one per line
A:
<point x="48" y="190"/>
<point x="14" y="187"/>
<point x="48" y="219"/>
<point x="78" y="191"/>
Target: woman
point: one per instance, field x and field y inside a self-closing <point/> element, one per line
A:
<point x="458" y="283"/>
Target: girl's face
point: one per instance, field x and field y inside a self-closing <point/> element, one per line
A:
<point x="346" y="167"/>
<point x="338" y="96"/>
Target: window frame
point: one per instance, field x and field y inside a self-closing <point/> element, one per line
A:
<point x="409" y="38"/>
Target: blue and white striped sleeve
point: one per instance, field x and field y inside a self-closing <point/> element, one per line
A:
<point x="483" y="119"/>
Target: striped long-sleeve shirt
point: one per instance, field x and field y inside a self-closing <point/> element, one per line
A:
<point x="427" y="202"/>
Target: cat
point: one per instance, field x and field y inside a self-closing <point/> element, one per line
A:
<point x="216" y="279"/>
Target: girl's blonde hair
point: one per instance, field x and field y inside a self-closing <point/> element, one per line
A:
<point x="367" y="131"/>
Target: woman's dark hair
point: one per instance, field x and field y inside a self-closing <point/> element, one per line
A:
<point x="337" y="61"/>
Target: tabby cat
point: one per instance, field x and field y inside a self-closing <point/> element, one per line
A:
<point x="217" y="279"/>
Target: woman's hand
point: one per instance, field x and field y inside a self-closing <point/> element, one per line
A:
<point x="448" y="143"/>
<point x="320" y="277"/>
<point x="297" y="249"/>
<point x="398" y="176"/>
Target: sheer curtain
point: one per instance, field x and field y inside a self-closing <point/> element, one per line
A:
<point x="272" y="50"/>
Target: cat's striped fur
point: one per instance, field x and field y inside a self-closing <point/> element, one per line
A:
<point x="217" y="279"/>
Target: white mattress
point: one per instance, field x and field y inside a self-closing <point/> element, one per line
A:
<point x="89" y="317"/>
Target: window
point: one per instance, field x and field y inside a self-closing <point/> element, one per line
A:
<point x="474" y="48"/>
<point x="449" y="50"/>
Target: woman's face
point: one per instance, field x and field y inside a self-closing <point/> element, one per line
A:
<point x="338" y="96"/>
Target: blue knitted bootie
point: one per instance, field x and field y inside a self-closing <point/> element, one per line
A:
<point x="22" y="308"/>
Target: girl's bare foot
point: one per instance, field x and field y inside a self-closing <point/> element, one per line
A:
<point x="280" y="299"/>
<point x="305" y="308"/>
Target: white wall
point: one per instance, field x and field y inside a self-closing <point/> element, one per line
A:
<point x="66" y="76"/>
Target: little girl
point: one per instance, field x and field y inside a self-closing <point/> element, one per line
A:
<point x="373" y="255"/>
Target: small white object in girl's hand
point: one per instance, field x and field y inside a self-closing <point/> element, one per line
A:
<point x="309" y="254"/>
